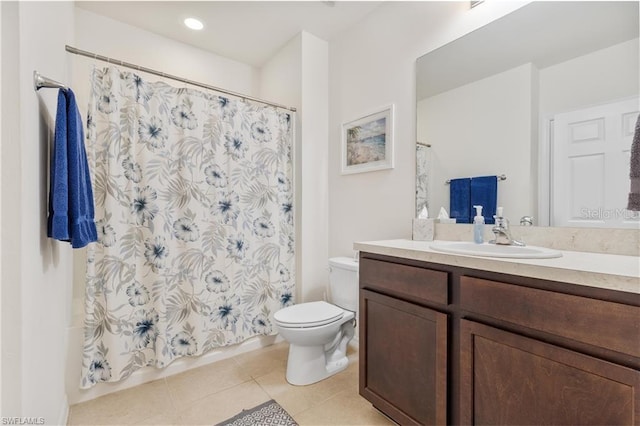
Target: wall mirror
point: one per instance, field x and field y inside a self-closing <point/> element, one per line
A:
<point x="548" y="97"/>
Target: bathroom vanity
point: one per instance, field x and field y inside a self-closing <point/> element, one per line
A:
<point x="452" y="339"/>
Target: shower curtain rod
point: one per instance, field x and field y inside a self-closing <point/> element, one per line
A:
<point x="40" y="82"/>
<point x="80" y="52"/>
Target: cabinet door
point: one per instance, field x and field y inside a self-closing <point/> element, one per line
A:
<point x="508" y="379"/>
<point x="403" y="359"/>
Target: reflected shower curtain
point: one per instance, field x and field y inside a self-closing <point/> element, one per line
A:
<point x="193" y="195"/>
<point x="422" y="177"/>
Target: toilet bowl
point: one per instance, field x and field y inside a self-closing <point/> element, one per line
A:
<point x="319" y="332"/>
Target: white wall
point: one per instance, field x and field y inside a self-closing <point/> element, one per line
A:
<point x="471" y="126"/>
<point x="115" y="39"/>
<point x="37" y="285"/>
<point x="281" y="77"/>
<point x="314" y="167"/>
<point x="1" y="234"/>
<point x="11" y="209"/>
<point x="372" y="65"/>
<point x="281" y="81"/>
<point x="610" y="74"/>
<point x="298" y="76"/>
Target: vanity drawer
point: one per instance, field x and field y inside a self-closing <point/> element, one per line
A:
<point x="408" y="282"/>
<point x="604" y="324"/>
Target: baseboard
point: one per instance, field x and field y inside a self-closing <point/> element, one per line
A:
<point x="149" y="374"/>
<point x="64" y="412"/>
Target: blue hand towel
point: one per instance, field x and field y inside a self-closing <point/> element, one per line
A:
<point x="460" y="200"/>
<point x="71" y="209"/>
<point x="58" y="223"/>
<point x="484" y="192"/>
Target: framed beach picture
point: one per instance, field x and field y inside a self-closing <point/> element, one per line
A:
<point x="367" y="143"/>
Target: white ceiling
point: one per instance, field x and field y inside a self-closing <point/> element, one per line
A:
<point x="247" y="31"/>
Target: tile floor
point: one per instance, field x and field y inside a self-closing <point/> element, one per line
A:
<point x="216" y="392"/>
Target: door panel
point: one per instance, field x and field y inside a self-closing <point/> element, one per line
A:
<point x="590" y="178"/>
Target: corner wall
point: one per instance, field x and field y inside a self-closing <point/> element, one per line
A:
<point x="11" y="210"/>
<point x="314" y="167"/>
<point x="36" y="278"/>
<point x="298" y="75"/>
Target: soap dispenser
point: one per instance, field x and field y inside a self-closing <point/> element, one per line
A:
<point x="478" y="226"/>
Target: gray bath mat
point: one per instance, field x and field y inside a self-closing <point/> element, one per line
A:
<point x="269" y="413"/>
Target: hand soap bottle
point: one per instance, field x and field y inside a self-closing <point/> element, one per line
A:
<point x="478" y="226"/>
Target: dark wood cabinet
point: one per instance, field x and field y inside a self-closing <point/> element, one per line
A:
<point x="508" y="379"/>
<point x="442" y="344"/>
<point x="405" y="359"/>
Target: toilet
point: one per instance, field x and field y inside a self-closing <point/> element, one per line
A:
<point x="318" y="332"/>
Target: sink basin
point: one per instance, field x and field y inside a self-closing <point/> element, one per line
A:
<point x="493" y="250"/>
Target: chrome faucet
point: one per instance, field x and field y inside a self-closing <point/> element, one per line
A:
<point x="502" y="232"/>
<point x="526" y="221"/>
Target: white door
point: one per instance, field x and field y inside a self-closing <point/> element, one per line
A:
<point x="590" y="164"/>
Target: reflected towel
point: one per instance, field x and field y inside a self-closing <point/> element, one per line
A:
<point x="634" y="173"/>
<point x="484" y="192"/>
<point x="460" y="199"/>
<point x="71" y="209"/>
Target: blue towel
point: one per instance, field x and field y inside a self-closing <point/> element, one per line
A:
<point x="484" y="192"/>
<point x="460" y="200"/>
<point x="71" y="210"/>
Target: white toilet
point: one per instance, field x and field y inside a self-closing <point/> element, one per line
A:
<point x="318" y="332"/>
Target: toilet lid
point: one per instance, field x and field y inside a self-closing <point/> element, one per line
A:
<point x="311" y="314"/>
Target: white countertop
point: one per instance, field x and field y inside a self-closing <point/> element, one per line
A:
<point x="608" y="271"/>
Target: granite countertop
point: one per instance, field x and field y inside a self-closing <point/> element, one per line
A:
<point x="607" y="271"/>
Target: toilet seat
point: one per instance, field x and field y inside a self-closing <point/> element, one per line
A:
<point x="310" y="314"/>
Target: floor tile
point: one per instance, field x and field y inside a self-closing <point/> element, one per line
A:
<point x="264" y="361"/>
<point x="344" y="408"/>
<point x="195" y="384"/>
<point x="129" y="406"/>
<point x="223" y="405"/>
<point x="216" y="392"/>
<point x="166" y="419"/>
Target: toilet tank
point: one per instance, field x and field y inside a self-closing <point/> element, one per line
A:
<point x="343" y="282"/>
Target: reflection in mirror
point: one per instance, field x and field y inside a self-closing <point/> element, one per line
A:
<point x="422" y="175"/>
<point x="548" y="96"/>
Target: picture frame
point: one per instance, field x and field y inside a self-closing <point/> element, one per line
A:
<point x="367" y="142"/>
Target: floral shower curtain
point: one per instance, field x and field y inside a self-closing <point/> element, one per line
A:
<point x="193" y="195"/>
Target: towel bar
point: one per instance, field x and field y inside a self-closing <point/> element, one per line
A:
<point x="501" y="177"/>
<point x="39" y="82"/>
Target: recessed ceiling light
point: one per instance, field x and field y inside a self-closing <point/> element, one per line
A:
<point x="193" y="23"/>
